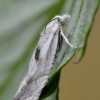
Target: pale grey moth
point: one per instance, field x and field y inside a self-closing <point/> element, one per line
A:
<point x="42" y="59"/>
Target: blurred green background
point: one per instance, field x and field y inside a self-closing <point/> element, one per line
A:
<point x="21" y="22"/>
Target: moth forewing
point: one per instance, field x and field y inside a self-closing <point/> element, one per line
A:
<point x="42" y="59"/>
<point x="40" y="65"/>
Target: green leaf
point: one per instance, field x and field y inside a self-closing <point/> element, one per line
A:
<point x="21" y="22"/>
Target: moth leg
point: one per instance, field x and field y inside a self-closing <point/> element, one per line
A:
<point x="66" y="40"/>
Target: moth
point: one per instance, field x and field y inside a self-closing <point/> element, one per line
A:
<point x="42" y="59"/>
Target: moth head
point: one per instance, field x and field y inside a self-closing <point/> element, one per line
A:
<point x="62" y="19"/>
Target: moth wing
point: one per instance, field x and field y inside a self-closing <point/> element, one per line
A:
<point x="40" y="65"/>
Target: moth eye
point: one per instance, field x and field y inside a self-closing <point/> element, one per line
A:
<point x="62" y="23"/>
